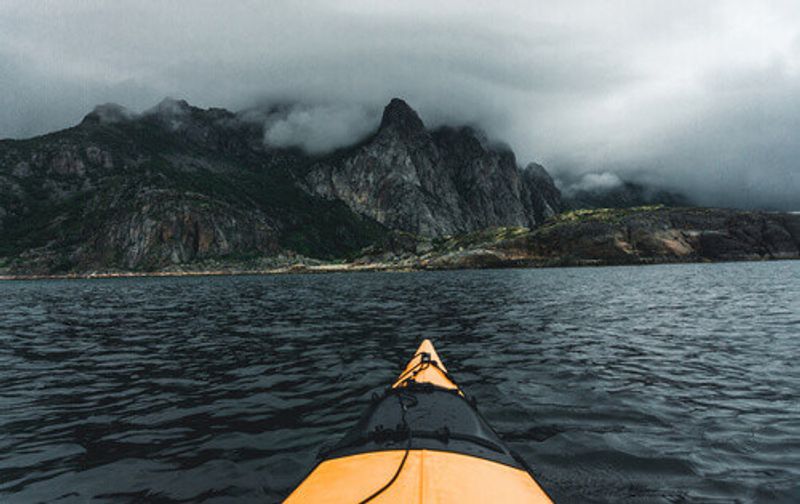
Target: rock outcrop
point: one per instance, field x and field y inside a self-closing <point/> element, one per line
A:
<point x="660" y="235"/>
<point x="644" y="235"/>
<point x="434" y="183"/>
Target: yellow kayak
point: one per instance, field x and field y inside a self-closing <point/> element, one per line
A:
<point x="421" y="441"/>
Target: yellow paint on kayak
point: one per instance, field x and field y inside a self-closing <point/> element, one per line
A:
<point x="428" y="477"/>
<point x="420" y="372"/>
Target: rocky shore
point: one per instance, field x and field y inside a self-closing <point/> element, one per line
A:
<point x="643" y="235"/>
<point x="627" y="236"/>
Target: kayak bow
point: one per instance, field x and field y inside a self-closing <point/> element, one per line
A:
<point x="422" y="441"/>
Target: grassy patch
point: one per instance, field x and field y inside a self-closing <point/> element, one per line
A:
<point x="484" y="237"/>
<point x="607" y="215"/>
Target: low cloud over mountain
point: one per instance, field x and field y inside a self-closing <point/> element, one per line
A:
<point x="699" y="98"/>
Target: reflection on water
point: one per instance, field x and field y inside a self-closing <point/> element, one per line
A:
<point x="639" y="384"/>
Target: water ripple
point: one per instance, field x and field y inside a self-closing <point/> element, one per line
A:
<point x="648" y="384"/>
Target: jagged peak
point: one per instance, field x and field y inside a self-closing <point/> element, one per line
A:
<point x="170" y="107"/>
<point x="538" y="175"/>
<point x="108" y="113"/>
<point x="400" y="116"/>
<point x="472" y="137"/>
<point x="172" y="113"/>
<point x="537" y="170"/>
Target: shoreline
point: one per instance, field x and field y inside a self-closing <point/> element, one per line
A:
<point x="284" y="270"/>
<point x="297" y="269"/>
<point x="580" y="238"/>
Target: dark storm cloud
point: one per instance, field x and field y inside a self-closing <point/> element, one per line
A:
<point x="696" y="96"/>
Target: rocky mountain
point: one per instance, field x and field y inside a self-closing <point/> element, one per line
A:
<point x="174" y="184"/>
<point x="178" y="184"/>
<point x="435" y="183"/>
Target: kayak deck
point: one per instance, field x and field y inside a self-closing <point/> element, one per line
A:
<point x="422" y="441"/>
<point x="427" y="477"/>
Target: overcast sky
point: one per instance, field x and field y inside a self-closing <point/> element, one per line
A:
<point x="700" y="96"/>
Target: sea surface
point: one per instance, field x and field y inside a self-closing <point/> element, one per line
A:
<point x="648" y="384"/>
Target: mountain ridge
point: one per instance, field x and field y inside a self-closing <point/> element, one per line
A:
<point x="177" y="183"/>
<point x="434" y="182"/>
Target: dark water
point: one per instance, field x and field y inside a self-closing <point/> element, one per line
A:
<point x="641" y="384"/>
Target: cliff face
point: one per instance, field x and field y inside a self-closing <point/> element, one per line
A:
<point x="434" y="183"/>
<point x="156" y="227"/>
